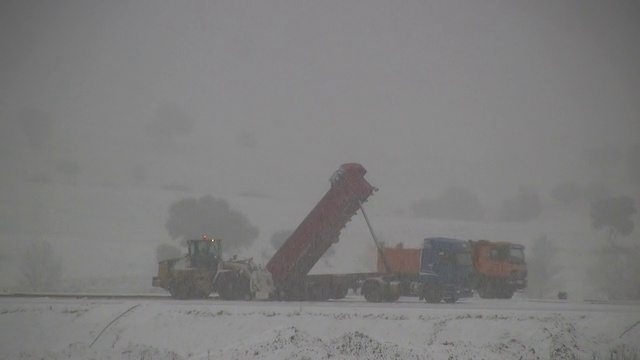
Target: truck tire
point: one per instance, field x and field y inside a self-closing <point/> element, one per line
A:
<point x="504" y="293"/>
<point x="372" y="292"/>
<point x="487" y="289"/>
<point x="433" y="295"/>
<point x="451" y="300"/>
<point x="392" y="297"/>
<point x="340" y="292"/>
<point x="318" y="292"/>
<point x="201" y="294"/>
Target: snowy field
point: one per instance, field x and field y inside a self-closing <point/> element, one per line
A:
<point x="54" y="328"/>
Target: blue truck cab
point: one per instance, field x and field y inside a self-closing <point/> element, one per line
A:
<point x="447" y="264"/>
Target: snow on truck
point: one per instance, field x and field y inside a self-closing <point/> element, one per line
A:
<point x="444" y="269"/>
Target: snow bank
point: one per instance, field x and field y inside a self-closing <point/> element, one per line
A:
<point x="352" y="329"/>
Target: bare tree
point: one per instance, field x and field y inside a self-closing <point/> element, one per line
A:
<point x="167" y="251"/>
<point x="191" y="218"/>
<point x="615" y="272"/>
<point x="614" y="215"/>
<point x="40" y="269"/>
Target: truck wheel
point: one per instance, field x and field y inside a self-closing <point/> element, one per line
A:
<point x="340" y="292"/>
<point x="487" y="291"/>
<point x="392" y="297"/>
<point x="505" y="293"/>
<point x="318" y="292"/>
<point x="433" y="295"/>
<point x="372" y="293"/>
<point x="451" y="300"/>
<point x="201" y="294"/>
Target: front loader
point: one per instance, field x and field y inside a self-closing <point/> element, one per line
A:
<point x="202" y="271"/>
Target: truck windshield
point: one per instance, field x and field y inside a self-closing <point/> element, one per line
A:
<point x="463" y="258"/>
<point x="516" y="255"/>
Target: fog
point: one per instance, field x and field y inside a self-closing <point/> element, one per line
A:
<point x="270" y="97"/>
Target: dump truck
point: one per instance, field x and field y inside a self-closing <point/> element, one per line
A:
<point x="438" y="271"/>
<point x="449" y="269"/>
<point x="500" y="268"/>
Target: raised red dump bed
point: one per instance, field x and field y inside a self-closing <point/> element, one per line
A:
<point x="321" y="228"/>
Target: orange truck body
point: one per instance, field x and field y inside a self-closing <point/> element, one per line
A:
<point x="500" y="268"/>
<point x="400" y="260"/>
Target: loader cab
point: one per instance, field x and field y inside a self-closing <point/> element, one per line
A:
<point x="204" y="253"/>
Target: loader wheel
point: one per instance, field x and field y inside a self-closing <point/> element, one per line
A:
<point x="179" y="290"/>
<point x="229" y="291"/>
<point x="372" y="293"/>
<point x="226" y="293"/>
<point x="173" y="293"/>
<point x="234" y="287"/>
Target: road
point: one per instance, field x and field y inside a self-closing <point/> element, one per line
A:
<point x="351" y="301"/>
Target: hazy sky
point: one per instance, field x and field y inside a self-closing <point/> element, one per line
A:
<point x="274" y="95"/>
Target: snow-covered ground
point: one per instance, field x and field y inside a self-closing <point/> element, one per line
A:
<point x="50" y="328"/>
<point x="107" y="240"/>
